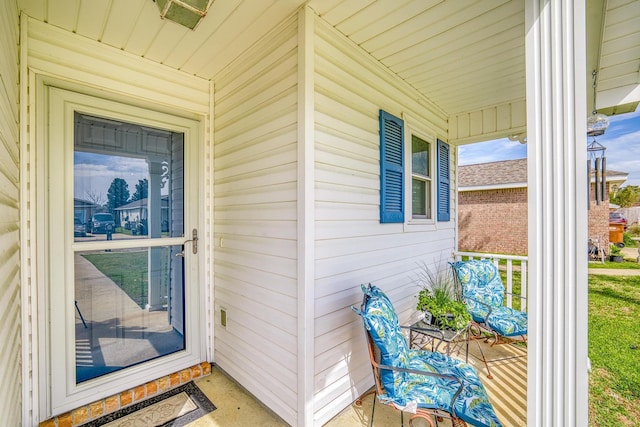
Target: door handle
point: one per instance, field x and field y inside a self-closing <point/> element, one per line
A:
<point x="194" y="242"/>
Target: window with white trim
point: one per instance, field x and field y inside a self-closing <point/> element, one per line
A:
<point x="414" y="174"/>
<point x="421" y="182"/>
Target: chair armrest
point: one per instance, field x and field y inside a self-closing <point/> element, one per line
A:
<point x="489" y="308"/>
<point x="426" y="374"/>
<point x="515" y="295"/>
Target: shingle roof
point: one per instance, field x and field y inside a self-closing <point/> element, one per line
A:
<point x="494" y="173"/>
<point x="508" y="173"/>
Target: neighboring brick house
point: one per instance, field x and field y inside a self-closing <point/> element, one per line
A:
<point x="492" y="201"/>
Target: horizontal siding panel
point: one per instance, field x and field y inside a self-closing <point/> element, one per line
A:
<point x="255" y="108"/>
<point x="266" y="211"/>
<point x="332" y="139"/>
<point x="268" y="229"/>
<point x="11" y="369"/>
<point x="8" y="126"/>
<point x="354" y="178"/>
<point x="270" y="123"/>
<point x="334" y="383"/>
<point x="278" y="63"/>
<point x="351" y="245"/>
<point x="345" y="212"/>
<point x="252" y="142"/>
<point x="260" y="383"/>
<point x="269" y="373"/>
<point x="262" y="285"/>
<point x="326" y="248"/>
<point x="256" y="198"/>
<point x="278" y="361"/>
<point x="9" y="64"/>
<point x="269" y="262"/>
<point x="353" y="351"/>
<point x="255" y="206"/>
<point x="326" y="120"/>
<point x="281" y="176"/>
<point x="273" y="325"/>
<point x="353" y="155"/>
<point x="278" y="156"/>
<point x="9" y="191"/>
<point x="353" y="388"/>
<point x="338" y="193"/>
<point x="66" y="54"/>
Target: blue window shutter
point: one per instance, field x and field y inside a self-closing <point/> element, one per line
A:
<point x="444" y="182"/>
<point x="391" y="168"/>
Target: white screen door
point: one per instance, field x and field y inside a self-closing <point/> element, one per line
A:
<point x="122" y="223"/>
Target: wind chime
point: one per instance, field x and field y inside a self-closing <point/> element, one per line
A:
<point x="597" y="124"/>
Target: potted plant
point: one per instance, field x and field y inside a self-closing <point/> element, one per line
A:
<point x="439" y="300"/>
<point x="615" y="254"/>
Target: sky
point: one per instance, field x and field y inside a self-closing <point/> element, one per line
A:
<point x="93" y="174"/>
<point x="622" y="140"/>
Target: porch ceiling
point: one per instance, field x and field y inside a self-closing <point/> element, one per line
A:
<point x="464" y="55"/>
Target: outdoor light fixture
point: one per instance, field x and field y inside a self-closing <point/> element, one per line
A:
<point x="597" y="124"/>
<point x="184" y="12"/>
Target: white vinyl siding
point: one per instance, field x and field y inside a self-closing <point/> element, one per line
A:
<point x="352" y="246"/>
<point x="255" y="219"/>
<point x="10" y="313"/>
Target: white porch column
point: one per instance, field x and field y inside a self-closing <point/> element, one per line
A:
<point x="157" y="286"/>
<point x="556" y="140"/>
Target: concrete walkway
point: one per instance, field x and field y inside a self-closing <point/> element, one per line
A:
<point x="629" y="254"/>
<point x="614" y="272"/>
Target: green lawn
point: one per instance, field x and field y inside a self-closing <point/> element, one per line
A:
<point x="614" y="350"/>
<point x="614" y="345"/>
<point x="626" y="265"/>
<point x="127" y="269"/>
<point x="517" y="286"/>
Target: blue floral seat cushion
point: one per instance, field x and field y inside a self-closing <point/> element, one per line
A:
<point x="508" y="322"/>
<point x="481" y="284"/>
<point x="402" y="388"/>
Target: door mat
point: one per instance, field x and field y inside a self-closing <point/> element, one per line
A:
<point x="174" y="408"/>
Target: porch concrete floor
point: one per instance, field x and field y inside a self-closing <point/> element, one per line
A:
<point x="507" y="391"/>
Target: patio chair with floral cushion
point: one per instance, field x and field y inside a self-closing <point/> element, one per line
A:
<point x="483" y="293"/>
<point x="428" y="384"/>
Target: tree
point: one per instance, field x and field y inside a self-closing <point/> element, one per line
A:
<point x="117" y="195"/>
<point x="626" y="196"/>
<point x="142" y="190"/>
<point x="97" y="198"/>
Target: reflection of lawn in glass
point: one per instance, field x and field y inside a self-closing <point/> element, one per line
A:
<point x="127" y="270"/>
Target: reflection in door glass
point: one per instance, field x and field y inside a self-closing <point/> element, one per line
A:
<point x="128" y="181"/>
<point x="129" y="308"/>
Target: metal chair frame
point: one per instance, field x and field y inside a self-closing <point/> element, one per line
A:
<point x="432" y="416"/>
<point x="477" y="328"/>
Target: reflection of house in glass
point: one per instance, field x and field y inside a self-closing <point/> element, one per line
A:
<point x="134" y="216"/>
<point x="83" y="210"/>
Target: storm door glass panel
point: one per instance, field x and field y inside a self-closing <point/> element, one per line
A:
<point x="115" y="327"/>
<point x="128" y="181"/>
<point x="129" y="290"/>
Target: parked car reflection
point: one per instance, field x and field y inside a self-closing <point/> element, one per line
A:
<point x="79" y="229"/>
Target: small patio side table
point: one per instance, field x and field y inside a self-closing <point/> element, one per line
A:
<point x="421" y="334"/>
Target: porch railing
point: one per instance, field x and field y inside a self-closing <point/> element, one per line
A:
<point x="520" y="272"/>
